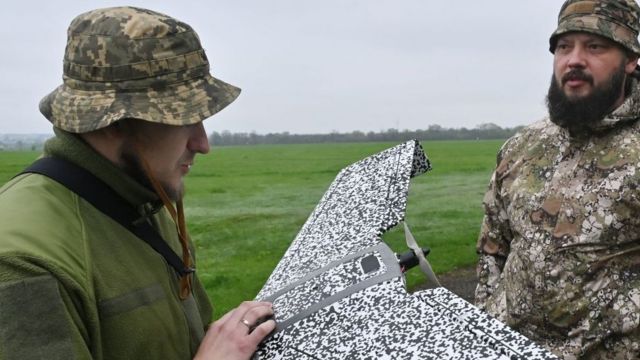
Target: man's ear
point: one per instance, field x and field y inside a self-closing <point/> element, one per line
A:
<point x="116" y="130"/>
<point x="108" y="141"/>
<point x="631" y="63"/>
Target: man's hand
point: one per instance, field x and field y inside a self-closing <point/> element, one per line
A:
<point x="236" y="335"/>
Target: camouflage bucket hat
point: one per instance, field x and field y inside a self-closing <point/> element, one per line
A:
<point x="126" y="62"/>
<point x="616" y="20"/>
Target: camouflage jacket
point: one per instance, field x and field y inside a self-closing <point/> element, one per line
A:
<point x="560" y="242"/>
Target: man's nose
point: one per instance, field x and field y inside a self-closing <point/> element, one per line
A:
<point x="577" y="57"/>
<point x="198" y="141"/>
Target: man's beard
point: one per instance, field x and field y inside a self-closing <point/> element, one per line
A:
<point x="132" y="165"/>
<point x="579" y="114"/>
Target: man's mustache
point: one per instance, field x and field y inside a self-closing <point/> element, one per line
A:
<point x="577" y="74"/>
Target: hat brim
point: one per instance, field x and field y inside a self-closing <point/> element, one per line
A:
<point x="80" y="111"/>
<point x="596" y="25"/>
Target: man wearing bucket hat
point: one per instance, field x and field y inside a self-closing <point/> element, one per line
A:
<point x="560" y="241"/>
<point x="95" y="260"/>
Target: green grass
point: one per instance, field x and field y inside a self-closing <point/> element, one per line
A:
<point x="245" y="205"/>
<point x="12" y="162"/>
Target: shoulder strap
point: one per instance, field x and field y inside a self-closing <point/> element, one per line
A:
<point x="105" y="199"/>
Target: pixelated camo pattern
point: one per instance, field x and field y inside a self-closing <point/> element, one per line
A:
<point x="560" y="242"/>
<point x="130" y="62"/>
<point x="617" y="20"/>
<point x="338" y="292"/>
<point x="382" y="182"/>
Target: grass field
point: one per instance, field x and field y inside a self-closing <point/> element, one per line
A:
<point x="246" y="204"/>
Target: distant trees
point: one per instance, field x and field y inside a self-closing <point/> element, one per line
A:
<point x="34" y="142"/>
<point x="433" y="132"/>
<point x="22" y="142"/>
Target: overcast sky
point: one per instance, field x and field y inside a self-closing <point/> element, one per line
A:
<point x="317" y="66"/>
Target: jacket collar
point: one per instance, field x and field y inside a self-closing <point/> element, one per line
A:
<point x="626" y="113"/>
<point x="72" y="148"/>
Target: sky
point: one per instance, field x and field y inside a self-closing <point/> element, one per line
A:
<point x="321" y="66"/>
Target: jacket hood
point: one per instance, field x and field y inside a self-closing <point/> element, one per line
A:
<point x="628" y="112"/>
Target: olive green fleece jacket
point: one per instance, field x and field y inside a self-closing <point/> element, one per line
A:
<point x="74" y="284"/>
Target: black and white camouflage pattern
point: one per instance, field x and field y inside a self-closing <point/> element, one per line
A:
<point x="338" y="291"/>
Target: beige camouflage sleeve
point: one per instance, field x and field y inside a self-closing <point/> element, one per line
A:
<point x="493" y="243"/>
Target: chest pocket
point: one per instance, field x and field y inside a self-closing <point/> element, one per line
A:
<point x="131" y="300"/>
<point x="145" y="323"/>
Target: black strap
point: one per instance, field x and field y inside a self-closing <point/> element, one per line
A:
<point x="105" y="199"/>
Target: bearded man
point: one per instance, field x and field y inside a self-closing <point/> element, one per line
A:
<point x="559" y="248"/>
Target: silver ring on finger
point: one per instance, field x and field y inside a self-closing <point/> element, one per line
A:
<point x="247" y="323"/>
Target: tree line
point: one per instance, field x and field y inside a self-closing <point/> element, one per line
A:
<point x="34" y="142"/>
<point x="488" y="131"/>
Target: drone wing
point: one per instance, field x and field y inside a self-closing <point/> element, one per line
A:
<point x="339" y="293"/>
